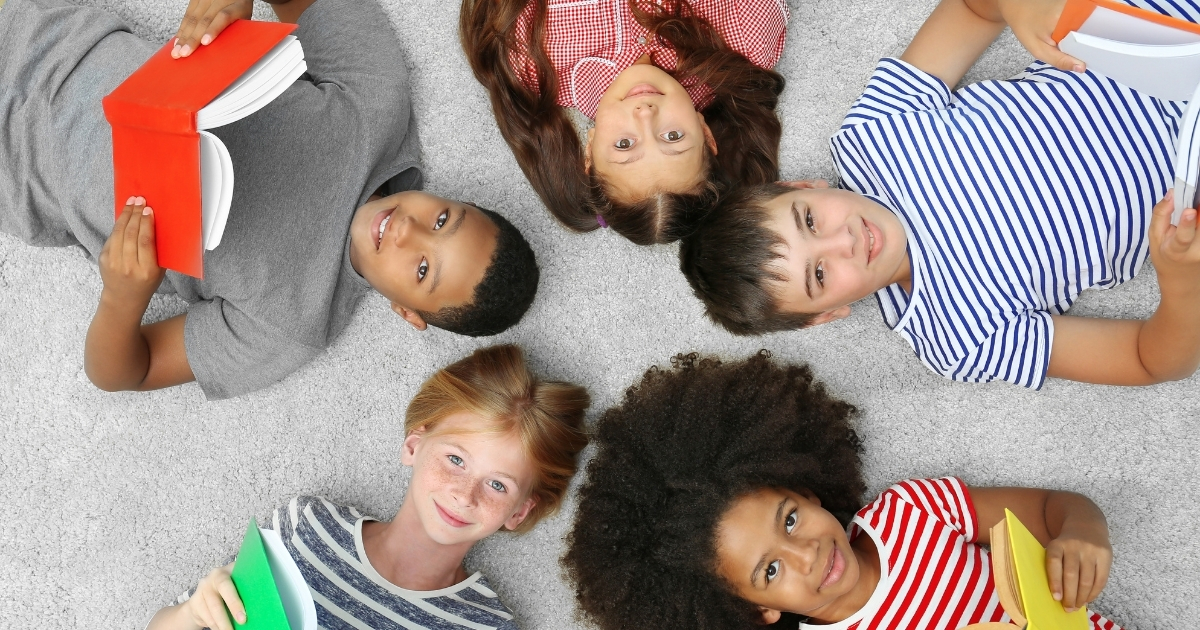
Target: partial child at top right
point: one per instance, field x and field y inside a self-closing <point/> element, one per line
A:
<point x="976" y="216"/>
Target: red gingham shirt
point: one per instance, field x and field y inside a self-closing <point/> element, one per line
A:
<point x="590" y="42"/>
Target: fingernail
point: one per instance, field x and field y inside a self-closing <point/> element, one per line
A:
<point x="175" y="51"/>
<point x="147" y="210"/>
<point x="1078" y="67"/>
<point x="140" y="201"/>
<point x="129" y="202"/>
<point x="1058" y="597"/>
<point x="241" y="617"/>
<point x="206" y="40"/>
<point x="185" y="50"/>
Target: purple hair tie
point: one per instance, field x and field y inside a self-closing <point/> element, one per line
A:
<point x="600" y="220"/>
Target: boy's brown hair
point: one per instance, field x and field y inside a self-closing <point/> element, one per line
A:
<point x="728" y="262"/>
<point x="495" y="383"/>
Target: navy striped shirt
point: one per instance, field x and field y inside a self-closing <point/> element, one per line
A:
<point x="325" y="540"/>
<point x="1015" y="196"/>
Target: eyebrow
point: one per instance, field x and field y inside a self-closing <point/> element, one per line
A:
<point x="437" y="272"/>
<point x="763" y="560"/>
<point x="807" y="264"/>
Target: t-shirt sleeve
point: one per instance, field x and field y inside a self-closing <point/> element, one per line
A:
<point x="1018" y="352"/>
<point x="757" y="29"/>
<point x="896" y="88"/>
<point x="350" y="43"/>
<point x="232" y="353"/>
<point x="947" y="499"/>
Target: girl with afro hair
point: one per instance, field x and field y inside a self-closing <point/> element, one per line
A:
<point x="728" y="495"/>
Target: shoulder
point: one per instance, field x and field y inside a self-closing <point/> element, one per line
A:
<point x="308" y="511"/>
<point x="754" y="28"/>
<point x="492" y="612"/>
<point x="946" y="500"/>
<point x="896" y="88"/>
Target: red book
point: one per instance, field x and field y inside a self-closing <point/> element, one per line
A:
<point x="156" y="141"/>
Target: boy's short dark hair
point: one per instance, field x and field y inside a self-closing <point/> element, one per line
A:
<point x="727" y="260"/>
<point x="672" y="458"/>
<point x="504" y="294"/>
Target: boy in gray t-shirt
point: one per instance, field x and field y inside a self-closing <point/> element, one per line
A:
<point x="296" y="256"/>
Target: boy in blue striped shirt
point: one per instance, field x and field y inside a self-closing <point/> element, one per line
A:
<point x="976" y="216"/>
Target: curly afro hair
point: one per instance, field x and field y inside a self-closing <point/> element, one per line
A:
<point x="673" y="456"/>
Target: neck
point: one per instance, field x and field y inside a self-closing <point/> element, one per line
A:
<point x="904" y="274"/>
<point x="868" y="579"/>
<point x="406" y="556"/>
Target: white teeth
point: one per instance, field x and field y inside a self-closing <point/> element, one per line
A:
<point x="382" y="227"/>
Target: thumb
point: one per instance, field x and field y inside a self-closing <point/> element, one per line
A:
<point x="1046" y="49"/>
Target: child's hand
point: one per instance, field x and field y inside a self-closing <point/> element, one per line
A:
<point x="205" y="19"/>
<point x="1033" y="21"/>
<point x="1077" y="563"/>
<point x="213" y="596"/>
<point x="128" y="262"/>
<point x="1175" y="250"/>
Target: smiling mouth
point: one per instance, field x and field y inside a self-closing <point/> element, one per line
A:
<point x="643" y="89"/>
<point x="835" y="568"/>
<point x="380" y="226"/>
<point x="450" y="519"/>
<point x="873" y="244"/>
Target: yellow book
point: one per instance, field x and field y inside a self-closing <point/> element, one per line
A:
<point x="1022" y="586"/>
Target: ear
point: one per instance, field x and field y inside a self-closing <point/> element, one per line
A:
<point x="408" y="451"/>
<point x="833" y="315"/>
<point x="410" y="316"/>
<point x="709" y="139"/>
<point x="519" y="516"/>
<point x="769" y="615"/>
<point x="587" y="150"/>
<point x="807" y="183"/>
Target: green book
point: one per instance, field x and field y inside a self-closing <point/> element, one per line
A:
<point x="270" y="584"/>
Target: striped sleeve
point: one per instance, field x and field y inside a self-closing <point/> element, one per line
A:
<point x="947" y="500"/>
<point x="897" y="87"/>
<point x="1018" y="352"/>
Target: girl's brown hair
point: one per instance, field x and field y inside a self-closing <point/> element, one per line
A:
<point x="495" y="383"/>
<point x="547" y="147"/>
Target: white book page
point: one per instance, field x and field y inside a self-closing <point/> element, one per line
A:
<point x="1187" y="159"/>
<point x="273" y="68"/>
<point x="1166" y="72"/>
<point x="293" y="590"/>
<point x="216" y="188"/>
<point x="1123" y="27"/>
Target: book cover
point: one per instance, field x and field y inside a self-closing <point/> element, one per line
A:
<point x="1041" y="610"/>
<point x="270" y="584"/>
<point x="156" y="143"/>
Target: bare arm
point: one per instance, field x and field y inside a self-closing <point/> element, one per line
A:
<point x="1071" y="526"/>
<point x="120" y="353"/>
<point x="1142" y="352"/>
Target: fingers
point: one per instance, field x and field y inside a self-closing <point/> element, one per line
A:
<point x="205" y="20"/>
<point x="1054" y="569"/>
<point x="217" y="617"/>
<point x="1044" y="48"/>
<point x="1101" y="579"/>
<point x="129" y="242"/>
<point x="146" y="251"/>
<point x="187" y="37"/>
<point x="1087" y="576"/>
<point x="1185" y="233"/>
<point x="232" y="601"/>
<point x="1070" y="581"/>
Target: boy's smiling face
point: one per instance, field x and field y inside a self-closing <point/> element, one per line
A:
<point x="783" y="552"/>
<point x="422" y="252"/>
<point x="839" y="247"/>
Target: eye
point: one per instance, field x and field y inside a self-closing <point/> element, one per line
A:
<point x="789" y="523"/>
<point x="772" y="571"/>
<point x="672" y="136"/>
<point x="819" y="272"/>
<point x="808" y="220"/>
<point x="624" y="144"/>
<point x="456" y="460"/>
<point x="441" y="220"/>
<point x="497" y="486"/>
<point x="422" y="269"/>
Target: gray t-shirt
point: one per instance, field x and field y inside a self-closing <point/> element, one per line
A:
<point x="280" y="287"/>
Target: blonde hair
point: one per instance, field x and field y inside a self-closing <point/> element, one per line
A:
<point x="496" y="384"/>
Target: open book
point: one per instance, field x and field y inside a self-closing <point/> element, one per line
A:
<point x="160" y="150"/>
<point x="1149" y="52"/>
<point x="270" y="584"/>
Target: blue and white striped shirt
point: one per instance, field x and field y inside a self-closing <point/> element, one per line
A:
<point x="1015" y="196"/>
<point x="325" y="540"/>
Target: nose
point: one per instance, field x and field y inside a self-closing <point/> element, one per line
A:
<point x="405" y="229"/>
<point x="644" y="110"/>
<point x="842" y="243"/>
<point x="803" y="555"/>
<point x="464" y="493"/>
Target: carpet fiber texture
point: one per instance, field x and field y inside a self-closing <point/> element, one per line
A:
<point x="115" y="503"/>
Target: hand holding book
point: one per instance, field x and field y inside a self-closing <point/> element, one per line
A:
<point x="205" y="19"/>
<point x="1032" y="22"/>
<point x="128" y="262"/>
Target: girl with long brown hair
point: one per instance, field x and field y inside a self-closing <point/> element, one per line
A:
<point x="681" y="92"/>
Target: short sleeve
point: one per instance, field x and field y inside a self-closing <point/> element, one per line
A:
<point x="896" y="88"/>
<point x="947" y="499"/>
<point x="231" y="353"/>
<point x="760" y="31"/>
<point x="1018" y="352"/>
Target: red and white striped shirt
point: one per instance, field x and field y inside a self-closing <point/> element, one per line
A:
<point x="934" y="575"/>
<point x="590" y="42"/>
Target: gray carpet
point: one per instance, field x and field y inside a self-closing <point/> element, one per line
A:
<point x="114" y="503"/>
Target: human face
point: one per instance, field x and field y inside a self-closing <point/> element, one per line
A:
<point x="648" y="136"/>
<point x="422" y="252"/>
<point x="839" y="247"/>
<point x="783" y="552"/>
<point x="467" y="482"/>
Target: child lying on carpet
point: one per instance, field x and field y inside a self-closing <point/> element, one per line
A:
<point x="976" y="217"/>
<point x="681" y="92"/>
<point x="491" y="446"/>
<point x="303" y="243"/>
<point x="729" y="496"/>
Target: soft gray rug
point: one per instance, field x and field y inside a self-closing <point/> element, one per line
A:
<point x="113" y="504"/>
